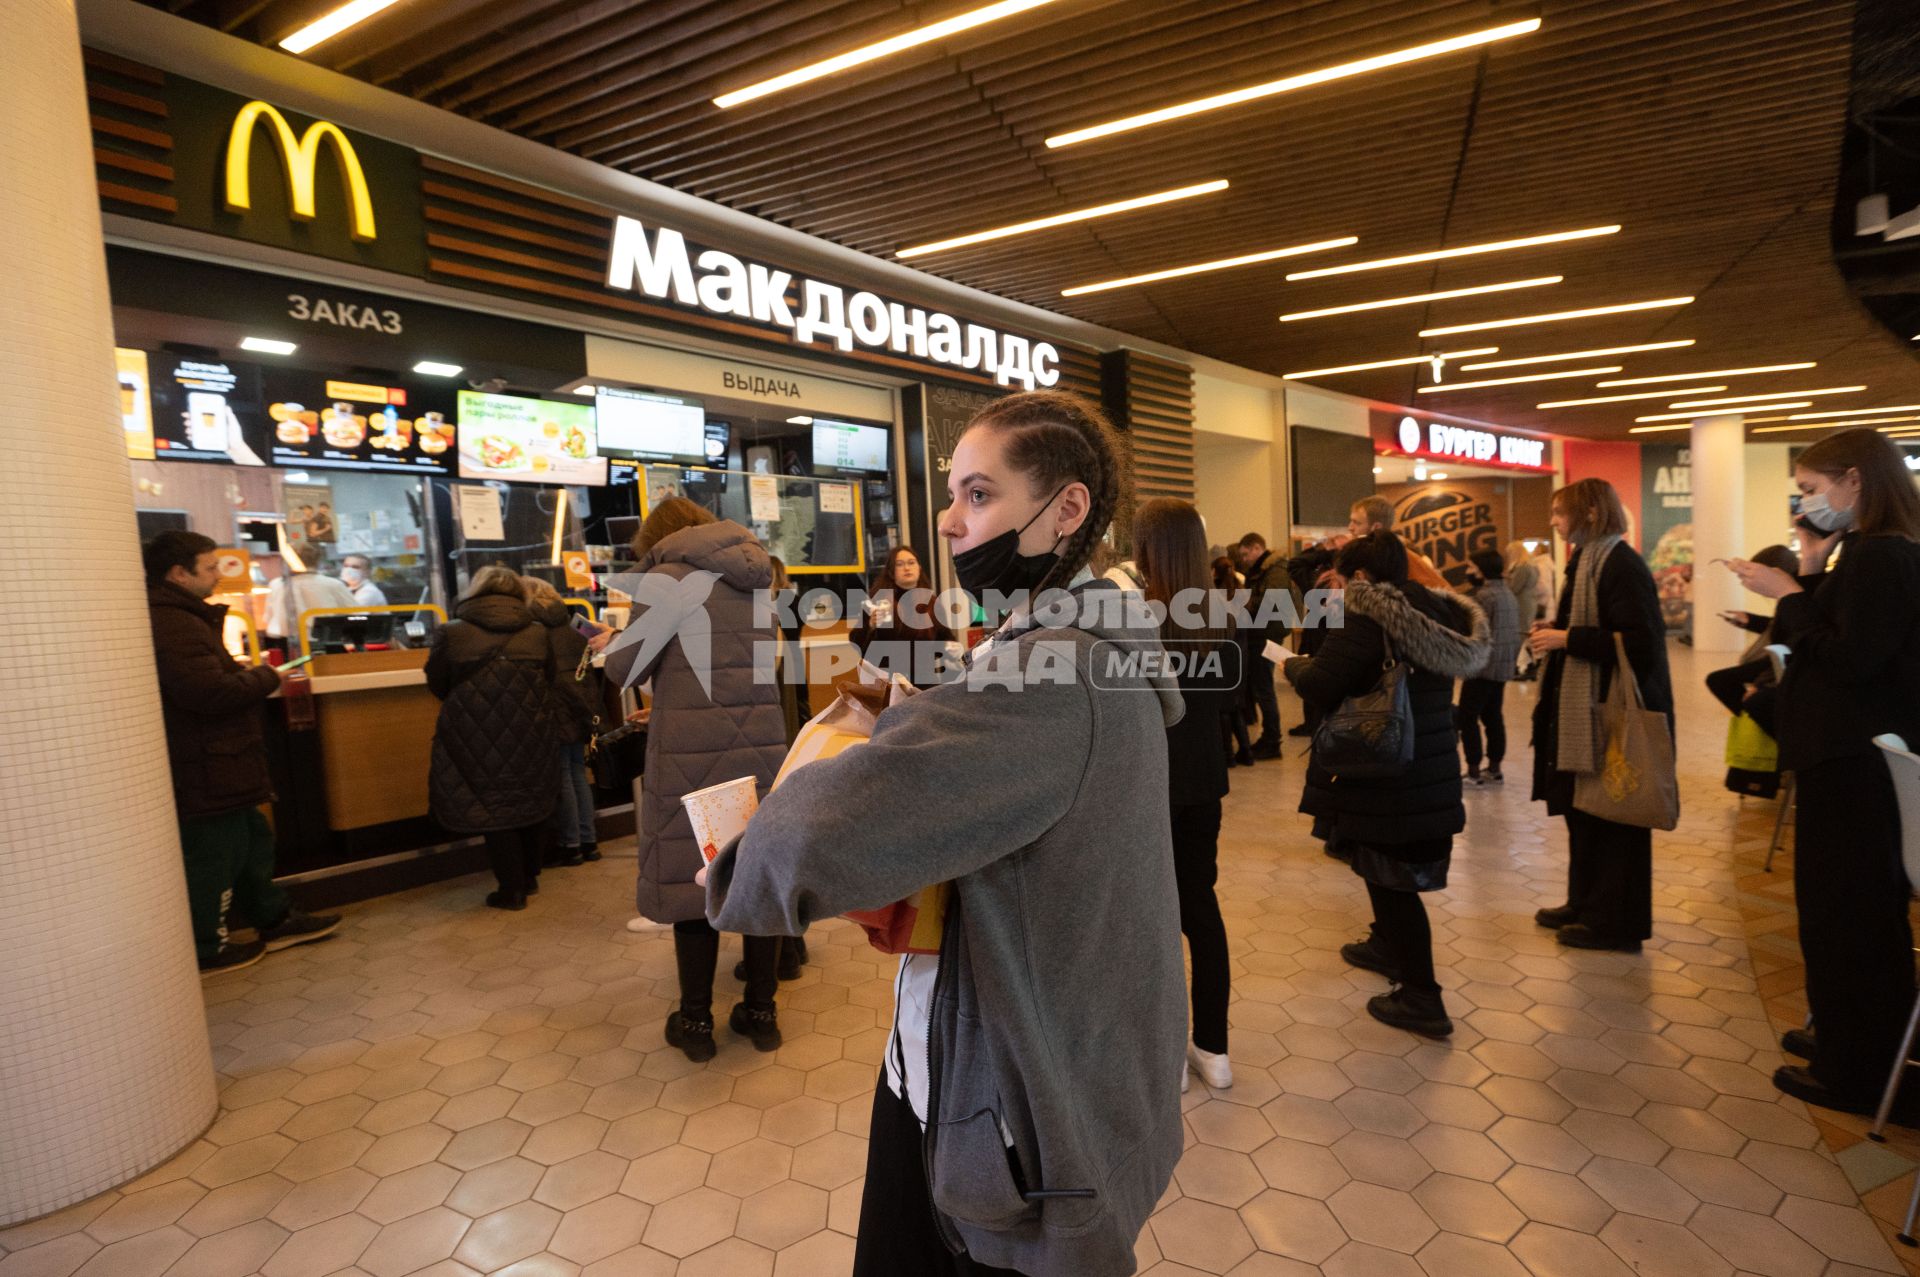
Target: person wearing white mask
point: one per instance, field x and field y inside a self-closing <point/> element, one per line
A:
<point x="356" y="573"/>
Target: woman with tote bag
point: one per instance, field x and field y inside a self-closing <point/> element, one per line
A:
<point x="1610" y="607"/>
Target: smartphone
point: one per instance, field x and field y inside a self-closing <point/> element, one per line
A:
<point x="587" y="628"/>
<point x="296" y="663"/>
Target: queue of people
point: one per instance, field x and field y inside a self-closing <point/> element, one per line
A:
<point x="1014" y="1128"/>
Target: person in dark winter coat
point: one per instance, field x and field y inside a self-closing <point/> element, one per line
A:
<point x="218" y="753"/>
<point x="576" y="839"/>
<point x="898" y="630"/>
<point x="1170" y="549"/>
<point x="1481" y="695"/>
<point x="1398" y="830"/>
<point x="1852" y="675"/>
<point x="1730" y="686"/>
<point x="1609" y="592"/>
<point x="1266" y="573"/>
<point x="496" y="747"/>
<point x="707" y="726"/>
<point x="1233" y="720"/>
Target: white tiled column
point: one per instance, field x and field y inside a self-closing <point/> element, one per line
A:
<point x="1719" y="527"/>
<point x="104" y="1064"/>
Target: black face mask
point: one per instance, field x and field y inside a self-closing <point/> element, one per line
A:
<point x="998" y="565"/>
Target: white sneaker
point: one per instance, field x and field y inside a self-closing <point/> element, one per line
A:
<point x="1186" y="1077"/>
<point x="646" y="924"/>
<point x="1213" y="1069"/>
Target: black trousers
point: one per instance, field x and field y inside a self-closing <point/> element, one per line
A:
<point x="1233" y="726"/>
<point x="1260" y="673"/>
<point x="1196" y="854"/>
<point x="898" y="1236"/>
<point x="696" y="951"/>
<point x="1850" y="889"/>
<point x="1401" y="929"/>
<point x="514" y="855"/>
<point x="1610" y="876"/>
<point x="1729" y="686"/>
<point x="1480" y="703"/>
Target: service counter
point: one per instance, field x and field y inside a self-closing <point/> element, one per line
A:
<point x="375" y="719"/>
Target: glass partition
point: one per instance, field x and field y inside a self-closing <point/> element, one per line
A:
<point x="814" y="526"/>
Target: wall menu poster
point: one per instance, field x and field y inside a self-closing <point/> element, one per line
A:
<point x="205" y="410"/>
<point x="1666" y="527"/>
<point x="319" y="421"/>
<point x="136" y="405"/>
<point x="528" y="440"/>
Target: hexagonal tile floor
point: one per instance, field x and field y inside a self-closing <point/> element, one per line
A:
<point x="446" y="1090"/>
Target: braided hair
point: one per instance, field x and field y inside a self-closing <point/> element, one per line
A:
<point x="1055" y="438"/>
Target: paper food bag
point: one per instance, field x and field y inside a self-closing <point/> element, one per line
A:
<point x="719" y="813"/>
<point x="912" y="925"/>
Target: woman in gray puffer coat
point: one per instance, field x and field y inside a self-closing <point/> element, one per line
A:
<point x="702" y="731"/>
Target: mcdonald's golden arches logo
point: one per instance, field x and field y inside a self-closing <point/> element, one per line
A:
<point x="300" y="156"/>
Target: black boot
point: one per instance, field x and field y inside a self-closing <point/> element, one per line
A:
<point x="758" y="1024"/>
<point x="589" y="852"/>
<point x="693" y="1035"/>
<point x="1369" y="956"/>
<point x="1557" y="917"/>
<point x="1415" y="1011"/>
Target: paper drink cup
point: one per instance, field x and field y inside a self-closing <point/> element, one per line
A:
<point x="719" y="813"/>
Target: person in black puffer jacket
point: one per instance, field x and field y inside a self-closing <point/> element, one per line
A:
<point x="576" y="839"/>
<point x="1397" y="829"/>
<point x="496" y="748"/>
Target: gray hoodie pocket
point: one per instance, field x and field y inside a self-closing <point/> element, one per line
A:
<point x="973" y="1177"/>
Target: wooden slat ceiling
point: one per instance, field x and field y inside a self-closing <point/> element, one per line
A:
<point x="1708" y="128"/>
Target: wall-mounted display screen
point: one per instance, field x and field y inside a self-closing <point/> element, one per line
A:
<point x="325" y="422"/>
<point x="841" y="445"/>
<point x="637" y="425"/>
<point x="528" y="440"/>
<point x="206" y="410"/>
<point x="1330" y="472"/>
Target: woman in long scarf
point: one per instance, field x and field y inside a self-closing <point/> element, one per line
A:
<point x="1610" y="592"/>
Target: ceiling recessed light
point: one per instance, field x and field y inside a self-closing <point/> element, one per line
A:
<point x="434" y="368"/>
<point x="267" y="346"/>
<point x="1515" y="381"/>
<point x="1402" y="362"/>
<point x="1443" y="254"/>
<point x="1062" y="219"/>
<point x="1437" y="474"/>
<point x="1377" y="470"/>
<point x="1758" y="400"/>
<point x="1650" y="394"/>
<point x="1724" y="412"/>
<point x="1224" y="263"/>
<point x="1253" y="93"/>
<point x="584" y="390"/>
<point x="1415" y="298"/>
<point x="1520" y="321"/>
<point x="332" y="24"/>
<point x="1577" y="354"/>
<point x="1709" y="374"/>
<point x="879" y="49"/>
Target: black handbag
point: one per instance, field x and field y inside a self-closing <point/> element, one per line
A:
<point x="1370" y="735"/>
<point x="617" y="758"/>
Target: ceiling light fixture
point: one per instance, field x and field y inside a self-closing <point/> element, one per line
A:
<point x="267" y="346"/>
<point x="1578" y="354"/>
<point x="1415" y="298"/>
<point x="1444" y="254"/>
<point x="1695" y="416"/>
<point x="1515" y="381"/>
<point x="1811" y="425"/>
<point x="1858" y="412"/>
<point x="1712" y="372"/>
<point x="1253" y="93"/>
<point x="1758" y="400"/>
<point x="800" y="421"/>
<point x="1649" y="394"/>
<point x="584" y="390"/>
<point x="1437" y="474"/>
<point x="879" y="49"/>
<point x="1654" y="430"/>
<point x="1223" y="263"/>
<point x="1392" y="363"/>
<point x="434" y="368"/>
<point x="332" y="24"/>
<point x="1519" y="321"/>
<point x="1062" y="219"/>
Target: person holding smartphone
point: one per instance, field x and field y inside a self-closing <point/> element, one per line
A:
<point x="1748" y="686"/>
<point x="1853" y="628"/>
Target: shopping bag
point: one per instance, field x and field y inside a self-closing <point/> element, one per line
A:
<point x="1635" y="782"/>
<point x="1749" y="747"/>
<point x="913" y="925"/>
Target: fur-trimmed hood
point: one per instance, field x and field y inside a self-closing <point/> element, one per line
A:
<point x="1418" y="637"/>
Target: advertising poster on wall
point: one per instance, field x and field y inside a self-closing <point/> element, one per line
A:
<point x="205" y="410"/>
<point x="311" y="527"/>
<point x="526" y="440"/>
<point x="136" y="404"/>
<point x="1666" y="533"/>
<point x="1450" y="522"/>
<point x="323" y="422"/>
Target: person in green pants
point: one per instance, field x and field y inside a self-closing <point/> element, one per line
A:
<point x="212" y="706"/>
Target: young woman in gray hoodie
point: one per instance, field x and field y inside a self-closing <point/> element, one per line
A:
<point x="1027" y="1118"/>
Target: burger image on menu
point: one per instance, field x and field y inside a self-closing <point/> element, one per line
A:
<point x="343" y="427"/>
<point x="436" y="436"/>
<point x="293" y="424"/>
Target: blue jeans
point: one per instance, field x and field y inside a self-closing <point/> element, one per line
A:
<point x="575" y="813"/>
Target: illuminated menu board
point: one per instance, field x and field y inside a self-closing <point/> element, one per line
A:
<point x="524" y="440"/>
